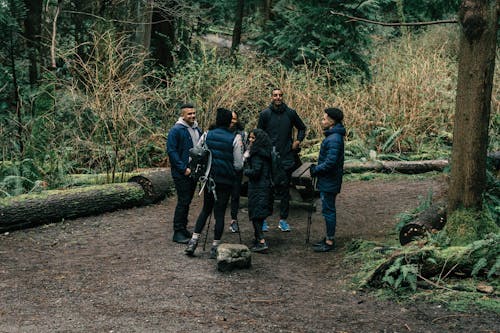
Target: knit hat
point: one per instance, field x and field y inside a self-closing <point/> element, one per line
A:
<point x="335" y="113"/>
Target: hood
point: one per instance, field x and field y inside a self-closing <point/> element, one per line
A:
<point x="181" y="121"/>
<point x="338" y="128"/>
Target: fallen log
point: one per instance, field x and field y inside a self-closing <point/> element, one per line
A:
<point x="30" y="210"/>
<point x="433" y="218"/>
<point x="407" y="167"/>
<point x="433" y="261"/>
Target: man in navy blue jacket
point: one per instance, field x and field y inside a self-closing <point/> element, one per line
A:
<point x="181" y="137"/>
<point x="329" y="171"/>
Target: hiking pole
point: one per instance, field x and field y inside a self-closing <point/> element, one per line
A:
<point x="206" y="234"/>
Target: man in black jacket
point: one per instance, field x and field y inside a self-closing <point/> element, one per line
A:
<point x="278" y="121"/>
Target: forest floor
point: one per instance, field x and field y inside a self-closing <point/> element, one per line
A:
<point x="120" y="272"/>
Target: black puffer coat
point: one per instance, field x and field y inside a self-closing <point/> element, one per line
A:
<point x="258" y="170"/>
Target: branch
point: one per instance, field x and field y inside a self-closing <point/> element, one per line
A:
<point x="395" y="24"/>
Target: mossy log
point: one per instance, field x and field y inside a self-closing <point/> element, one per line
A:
<point x="433" y="218"/>
<point x="55" y="205"/>
<point x="478" y="258"/>
<point x="407" y="167"/>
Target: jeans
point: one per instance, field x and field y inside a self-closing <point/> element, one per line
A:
<point x="329" y="212"/>
<point x="223" y="192"/>
<point x="185" y="187"/>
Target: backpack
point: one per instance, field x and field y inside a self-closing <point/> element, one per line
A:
<point x="200" y="160"/>
<point x="278" y="174"/>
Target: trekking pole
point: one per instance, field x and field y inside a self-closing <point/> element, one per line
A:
<point x="206" y="234"/>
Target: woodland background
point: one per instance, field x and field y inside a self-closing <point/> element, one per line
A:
<point x="93" y="86"/>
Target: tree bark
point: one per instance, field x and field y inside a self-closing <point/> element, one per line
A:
<point x="57" y="205"/>
<point x="238" y="24"/>
<point x="33" y="28"/>
<point x="163" y="38"/>
<point x="479" y="23"/>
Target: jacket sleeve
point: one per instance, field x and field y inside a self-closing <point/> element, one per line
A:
<point x="238" y="152"/>
<point x="301" y="127"/>
<point x="262" y="121"/>
<point x="332" y="148"/>
<point x="253" y="169"/>
<point x="173" y="147"/>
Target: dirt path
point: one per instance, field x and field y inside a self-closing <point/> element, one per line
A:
<point x="120" y="272"/>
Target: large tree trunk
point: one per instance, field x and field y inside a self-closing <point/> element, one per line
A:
<point x="478" y="19"/>
<point x="57" y="205"/>
<point x="33" y="28"/>
<point x="238" y="23"/>
<point x="163" y="38"/>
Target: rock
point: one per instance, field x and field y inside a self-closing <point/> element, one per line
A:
<point x="485" y="288"/>
<point x="233" y="256"/>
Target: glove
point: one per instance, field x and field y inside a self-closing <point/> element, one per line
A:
<point x="312" y="170"/>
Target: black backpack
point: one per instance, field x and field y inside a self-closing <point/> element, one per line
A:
<point x="200" y="161"/>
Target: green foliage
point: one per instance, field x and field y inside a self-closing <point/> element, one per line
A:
<point x="302" y="32"/>
<point x="400" y="274"/>
<point x="406" y="217"/>
<point x="465" y="226"/>
<point x="17" y="177"/>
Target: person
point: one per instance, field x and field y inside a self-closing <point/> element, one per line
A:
<point x="227" y="157"/>
<point x="329" y="171"/>
<point x="278" y="121"/>
<point x="258" y="170"/>
<point x="238" y="128"/>
<point x="181" y="137"/>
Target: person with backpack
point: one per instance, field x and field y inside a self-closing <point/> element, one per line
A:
<point x="278" y="121"/>
<point x="238" y="128"/>
<point x="182" y="137"/>
<point x="258" y="170"/>
<point x="328" y="172"/>
<point x="226" y="149"/>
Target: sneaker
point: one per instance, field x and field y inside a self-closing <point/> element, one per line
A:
<point x="319" y="243"/>
<point x="265" y="227"/>
<point x="283" y="225"/>
<point x="193" y="243"/>
<point x="324" y="248"/>
<point x="234" y="227"/>
<point x="259" y="247"/>
<point x="213" y="252"/>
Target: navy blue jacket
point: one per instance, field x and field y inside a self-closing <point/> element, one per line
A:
<point x="178" y="144"/>
<point x="278" y="123"/>
<point x="330" y="166"/>
<point x="220" y="142"/>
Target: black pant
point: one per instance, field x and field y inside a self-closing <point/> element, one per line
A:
<point x="283" y="193"/>
<point x="235" y="195"/>
<point x="185" y="187"/>
<point x="257" y="228"/>
<point x="223" y="191"/>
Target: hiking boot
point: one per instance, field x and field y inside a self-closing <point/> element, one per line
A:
<point x="193" y="243"/>
<point x="213" y="252"/>
<point x="234" y="227"/>
<point x="325" y="247"/>
<point x="283" y="225"/>
<point x="180" y="237"/>
<point x="265" y="227"/>
<point x="319" y="243"/>
<point x="259" y="247"/>
<point x="187" y="233"/>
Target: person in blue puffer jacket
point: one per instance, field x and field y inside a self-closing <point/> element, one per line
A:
<point x="329" y="172"/>
<point x="227" y="158"/>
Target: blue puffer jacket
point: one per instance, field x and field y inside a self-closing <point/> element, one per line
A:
<point x="330" y="166"/>
<point x="178" y="144"/>
<point x="220" y="143"/>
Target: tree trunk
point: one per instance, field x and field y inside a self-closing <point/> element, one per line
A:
<point x="33" y="27"/>
<point x="238" y="23"/>
<point x="144" y="18"/>
<point x="478" y="19"/>
<point x="266" y="10"/>
<point x="57" y="205"/>
<point x="163" y="38"/>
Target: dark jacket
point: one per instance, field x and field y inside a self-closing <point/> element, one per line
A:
<point x="278" y="123"/>
<point x="258" y="170"/>
<point x="178" y="144"/>
<point x="220" y="142"/>
<point x="330" y="166"/>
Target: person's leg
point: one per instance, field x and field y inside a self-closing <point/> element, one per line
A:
<point x="208" y="206"/>
<point x="260" y="242"/>
<point x="235" y="196"/>
<point x="329" y="212"/>
<point x="283" y="193"/>
<point x="223" y="193"/>
<point x="185" y="188"/>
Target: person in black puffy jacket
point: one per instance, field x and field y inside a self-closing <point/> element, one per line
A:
<point x="258" y="170"/>
<point x="329" y="171"/>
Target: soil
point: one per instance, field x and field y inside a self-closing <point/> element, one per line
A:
<point x="120" y="272"/>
